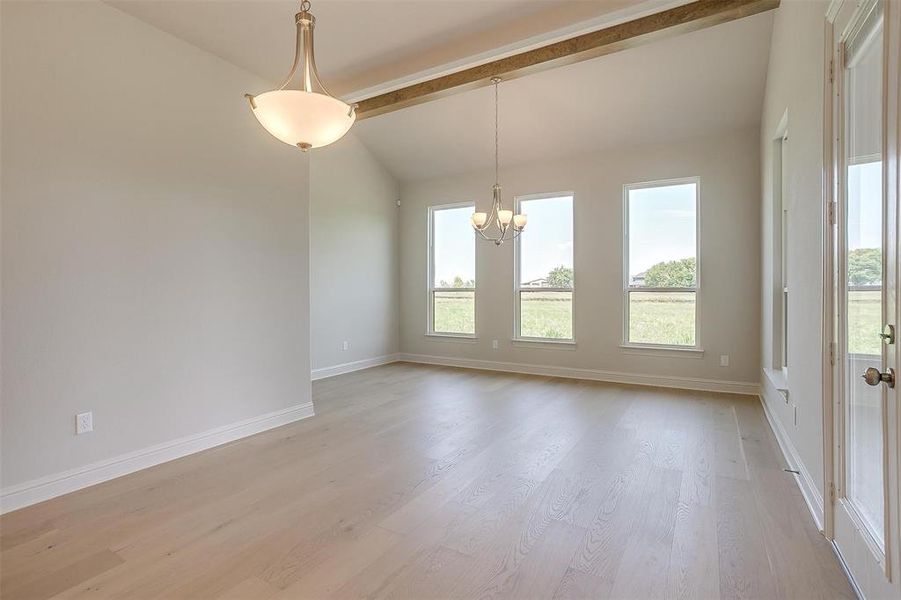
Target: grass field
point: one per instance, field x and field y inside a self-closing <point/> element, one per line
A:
<point x="864" y="322"/>
<point x="454" y="312"/>
<point x="546" y="315"/>
<point x="667" y="318"/>
<point x="655" y="318"/>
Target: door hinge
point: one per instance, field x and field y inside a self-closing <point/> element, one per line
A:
<point x="830" y="212"/>
<point x="832" y="353"/>
<point x="831" y="492"/>
<point x="831" y="70"/>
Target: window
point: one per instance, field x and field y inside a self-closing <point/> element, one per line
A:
<point x="863" y="200"/>
<point x="661" y="263"/>
<point x="780" y="255"/>
<point x="452" y="272"/>
<point x="544" y="269"/>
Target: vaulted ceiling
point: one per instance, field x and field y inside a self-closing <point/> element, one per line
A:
<point x="362" y="43"/>
<point x="695" y="84"/>
<point x="698" y="84"/>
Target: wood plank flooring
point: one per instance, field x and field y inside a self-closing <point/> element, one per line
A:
<point x="430" y="482"/>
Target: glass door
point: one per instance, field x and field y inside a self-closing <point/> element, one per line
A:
<point x="865" y="296"/>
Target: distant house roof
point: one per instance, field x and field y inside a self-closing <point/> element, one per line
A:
<point x="540" y="282"/>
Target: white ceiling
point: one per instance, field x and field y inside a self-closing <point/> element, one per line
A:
<point x="362" y="43"/>
<point x="695" y="84"/>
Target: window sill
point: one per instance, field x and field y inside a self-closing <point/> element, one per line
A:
<point x="540" y="343"/>
<point x="672" y="351"/>
<point x="779" y="380"/>
<point x="452" y="337"/>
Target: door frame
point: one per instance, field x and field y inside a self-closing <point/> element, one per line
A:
<point x="831" y="248"/>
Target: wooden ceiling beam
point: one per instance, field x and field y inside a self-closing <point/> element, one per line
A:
<point x="669" y="23"/>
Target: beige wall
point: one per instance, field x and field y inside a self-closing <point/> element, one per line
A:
<point x="728" y="166"/>
<point x="154" y="242"/>
<point x="795" y="84"/>
<point x="354" y="273"/>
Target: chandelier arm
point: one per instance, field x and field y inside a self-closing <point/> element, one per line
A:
<point x="313" y="71"/>
<point x="307" y="66"/>
<point x="499" y="238"/>
<point x="491" y="216"/>
<point x="297" y="52"/>
<point x="304" y="54"/>
<point x="487" y="238"/>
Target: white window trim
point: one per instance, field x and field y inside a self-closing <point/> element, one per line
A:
<point x="517" y="254"/>
<point x="658" y="350"/>
<point x="654" y="348"/>
<point x="781" y="292"/>
<point x="430" y="289"/>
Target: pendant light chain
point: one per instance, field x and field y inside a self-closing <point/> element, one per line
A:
<point x="497" y="82"/>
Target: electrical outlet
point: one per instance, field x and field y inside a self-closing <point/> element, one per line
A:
<point x="494" y="344"/>
<point x="84" y="423"/>
<point x="345" y="346"/>
<point x="724" y="360"/>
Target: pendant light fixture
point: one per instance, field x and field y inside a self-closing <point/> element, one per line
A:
<point x="308" y="117"/>
<point x="502" y="221"/>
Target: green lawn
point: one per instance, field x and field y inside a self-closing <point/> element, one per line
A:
<point x="547" y="315"/>
<point x="655" y="318"/>
<point x="662" y="318"/>
<point x="454" y="312"/>
<point x="865" y="322"/>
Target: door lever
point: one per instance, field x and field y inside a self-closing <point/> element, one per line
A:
<point x="873" y="377"/>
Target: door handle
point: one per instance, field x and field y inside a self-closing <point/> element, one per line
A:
<point x="874" y="377"/>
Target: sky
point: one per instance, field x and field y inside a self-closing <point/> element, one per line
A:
<point x="547" y="241"/>
<point x="662" y="225"/>
<point x="455" y="252"/>
<point x="865" y="205"/>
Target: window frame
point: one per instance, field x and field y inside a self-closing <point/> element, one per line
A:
<point x="517" y="287"/>
<point x="780" y="296"/>
<point x="697" y="347"/>
<point x="431" y="289"/>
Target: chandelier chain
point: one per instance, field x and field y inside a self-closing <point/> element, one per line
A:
<point x="305" y="5"/>
<point x="496" y="153"/>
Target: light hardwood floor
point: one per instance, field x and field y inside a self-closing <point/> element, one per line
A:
<point x="430" y="482"/>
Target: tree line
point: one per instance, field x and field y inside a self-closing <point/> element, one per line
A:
<point x="864" y="268"/>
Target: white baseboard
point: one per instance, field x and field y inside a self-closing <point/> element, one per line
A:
<point x="31" y="492"/>
<point x="350" y="367"/>
<point x="685" y="383"/>
<point x="809" y="491"/>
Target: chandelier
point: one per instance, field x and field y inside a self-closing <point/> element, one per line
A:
<point x="498" y="222"/>
<point x="308" y="117"/>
